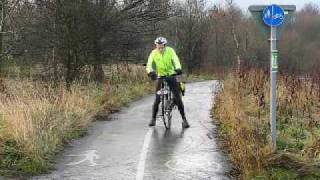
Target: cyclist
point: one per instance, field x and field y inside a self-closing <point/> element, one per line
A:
<point x="164" y="62"/>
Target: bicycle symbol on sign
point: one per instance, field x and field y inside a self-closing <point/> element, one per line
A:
<point x="275" y="16"/>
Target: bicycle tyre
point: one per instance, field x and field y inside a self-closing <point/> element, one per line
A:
<point x="169" y="115"/>
<point x="166" y="113"/>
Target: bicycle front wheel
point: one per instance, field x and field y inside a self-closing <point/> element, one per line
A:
<point x="166" y="112"/>
<point x="167" y="116"/>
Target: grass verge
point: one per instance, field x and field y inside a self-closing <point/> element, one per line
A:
<point x="242" y="109"/>
<point x="37" y="119"/>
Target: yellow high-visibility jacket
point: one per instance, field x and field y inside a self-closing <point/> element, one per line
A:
<point x="163" y="64"/>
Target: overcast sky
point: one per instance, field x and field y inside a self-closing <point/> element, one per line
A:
<point x="244" y="4"/>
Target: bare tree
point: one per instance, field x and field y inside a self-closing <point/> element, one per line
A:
<point x="7" y="7"/>
<point x="234" y="13"/>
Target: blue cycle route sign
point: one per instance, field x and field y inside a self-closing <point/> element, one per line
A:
<point x="273" y="15"/>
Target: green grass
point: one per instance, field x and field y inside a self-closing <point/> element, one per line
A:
<point x="282" y="174"/>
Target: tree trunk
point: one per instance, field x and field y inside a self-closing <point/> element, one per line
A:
<point x="70" y="69"/>
<point x="2" y="28"/>
<point x="98" y="73"/>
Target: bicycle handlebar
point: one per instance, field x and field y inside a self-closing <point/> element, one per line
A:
<point x="161" y="77"/>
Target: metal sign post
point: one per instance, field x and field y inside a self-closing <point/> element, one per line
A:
<point x="273" y="88"/>
<point x="273" y="17"/>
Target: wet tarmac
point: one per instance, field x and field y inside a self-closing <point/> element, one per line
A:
<point x="126" y="148"/>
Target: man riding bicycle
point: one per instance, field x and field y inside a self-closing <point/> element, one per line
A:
<point x="164" y="62"/>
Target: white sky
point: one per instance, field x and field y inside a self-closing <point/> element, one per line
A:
<point x="244" y="4"/>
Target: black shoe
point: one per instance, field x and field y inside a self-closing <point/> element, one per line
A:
<point x="185" y="124"/>
<point x="152" y="122"/>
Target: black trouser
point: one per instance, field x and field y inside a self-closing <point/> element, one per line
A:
<point x="174" y="87"/>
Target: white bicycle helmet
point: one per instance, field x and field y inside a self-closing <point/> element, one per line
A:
<point x="160" y="40"/>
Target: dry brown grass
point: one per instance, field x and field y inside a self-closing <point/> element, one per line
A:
<point x="237" y="108"/>
<point x="38" y="118"/>
<point x="242" y="107"/>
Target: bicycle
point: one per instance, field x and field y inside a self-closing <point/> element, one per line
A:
<point x="167" y="102"/>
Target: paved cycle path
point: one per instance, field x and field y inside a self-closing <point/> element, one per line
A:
<point x="126" y="148"/>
